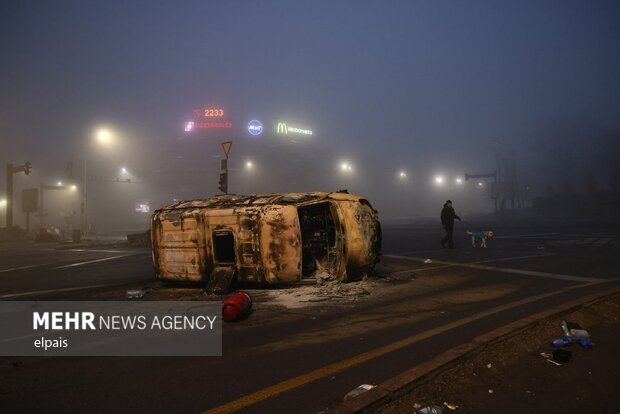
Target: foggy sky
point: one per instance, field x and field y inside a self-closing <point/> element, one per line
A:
<point x="426" y="87"/>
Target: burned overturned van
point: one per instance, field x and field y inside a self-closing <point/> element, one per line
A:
<point x="265" y="238"/>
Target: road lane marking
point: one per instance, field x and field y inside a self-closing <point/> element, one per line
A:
<point x="521" y="236"/>
<point x="342" y="365"/>
<point x="91" y="261"/>
<point x="22" y="268"/>
<point x="61" y="290"/>
<point x="92" y="250"/>
<point x="500" y="259"/>
<point x="425" y="269"/>
<point x="416" y="270"/>
<point x="505" y="270"/>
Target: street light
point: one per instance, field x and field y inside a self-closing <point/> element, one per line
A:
<point x="402" y="174"/>
<point x="104" y="136"/>
<point x="59" y="183"/>
<point x="3" y="202"/>
<point x="124" y="170"/>
<point x="480" y="184"/>
<point x="73" y="187"/>
<point x="439" y="180"/>
<point x="249" y="165"/>
<point x="346" y="167"/>
<point x="459" y="180"/>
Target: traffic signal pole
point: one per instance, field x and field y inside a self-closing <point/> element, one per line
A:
<point x="224" y="167"/>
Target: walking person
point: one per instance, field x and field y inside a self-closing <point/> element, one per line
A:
<point x="447" y="221"/>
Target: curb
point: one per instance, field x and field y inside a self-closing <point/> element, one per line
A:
<point x="401" y="384"/>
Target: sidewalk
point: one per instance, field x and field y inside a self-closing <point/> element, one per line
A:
<point x="512" y="376"/>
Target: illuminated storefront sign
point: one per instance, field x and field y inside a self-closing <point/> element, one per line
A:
<point x="209" y="113"/>
<point x="211" y="117"/>
<point x="283" y="128"/>
<point x="255" y="127"/>
<point x="191" y="125"/>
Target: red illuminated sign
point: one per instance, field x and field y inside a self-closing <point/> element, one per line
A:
<point x="212" y="125"/>
<point x="209" y="113"/>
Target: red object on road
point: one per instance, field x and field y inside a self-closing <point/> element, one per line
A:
<point x="236" y="306"/>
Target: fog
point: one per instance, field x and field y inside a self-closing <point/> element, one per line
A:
<point x="529" y="90"/>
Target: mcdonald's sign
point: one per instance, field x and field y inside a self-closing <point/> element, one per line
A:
<point x="283" y="128"/>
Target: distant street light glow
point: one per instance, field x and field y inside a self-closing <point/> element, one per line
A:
<point x="3" y="202"/>
<point x="480" y="184"/>
<point x="346" y="167"/>
<point x="439" y="180"/>
<point x="402" y="174"/>
<point x="59" y="183"/>
<point x="73" y="187"/>
<point x="459" y="180"/>
<point x="124" y="170"/>
<point x="249" y="165"/>
<point x="104" y="136"/>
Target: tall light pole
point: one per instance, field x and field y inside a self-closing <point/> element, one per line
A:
<point x="104" y="137"/>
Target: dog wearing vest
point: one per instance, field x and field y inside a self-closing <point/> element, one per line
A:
<point x="482" y="235"/>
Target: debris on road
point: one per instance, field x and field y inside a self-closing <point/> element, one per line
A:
<point x="562" y="355"/>
<point x="562" y="342"/>
<point x="434" y="409"/>
<point x="359" y="390"/>
<point x="573" y="332"/>
<point x="428" y="261"/>
<point x="489" y="365"/>
<point x="236" y="307"/>
<point x="451" y="406"/>
<point x="553" y="362"/>
<point x="135" y="294"/>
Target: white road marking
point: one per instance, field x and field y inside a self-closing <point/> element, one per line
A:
<point x="505" y="270"/>
<point x="42" y="292"/>
<point x="424" y="269"/>
<point x="416" y="270"/>
<point x="93" y="250"/>
<point x="20" y="268"/>
<point x="521" y="236"/>
<point x="500" y="259"/>
<point x="91" y="261"/>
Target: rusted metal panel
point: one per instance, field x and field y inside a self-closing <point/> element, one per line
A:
<point x="363" y="236"/>
<point x="280" y="238"/>
<point x="266" y="238"/>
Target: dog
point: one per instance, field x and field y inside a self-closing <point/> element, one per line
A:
<point x="482" y="235"/>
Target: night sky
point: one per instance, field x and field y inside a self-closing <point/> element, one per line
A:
<point x="426" y="87"/>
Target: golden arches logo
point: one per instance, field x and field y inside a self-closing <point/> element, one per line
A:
<point x="282" y="129"/>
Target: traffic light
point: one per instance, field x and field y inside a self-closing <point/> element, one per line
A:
<point x="224" y="182"/>
<point x="27" y="167"/>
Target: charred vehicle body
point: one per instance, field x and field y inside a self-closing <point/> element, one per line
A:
<point x="269" y="239"/>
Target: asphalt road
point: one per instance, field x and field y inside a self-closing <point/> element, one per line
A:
<point x="303" y="349"/>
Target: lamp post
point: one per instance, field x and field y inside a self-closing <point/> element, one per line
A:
<point x="103" y="137"/>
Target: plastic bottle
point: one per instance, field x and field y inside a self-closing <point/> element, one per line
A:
<point x="562" y="342"/>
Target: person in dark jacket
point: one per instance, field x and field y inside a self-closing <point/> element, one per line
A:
<point x="447" y="221"/>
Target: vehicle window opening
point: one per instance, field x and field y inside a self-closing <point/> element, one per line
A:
<point x="224" y="246"/>
<point x="318" y="238"/>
